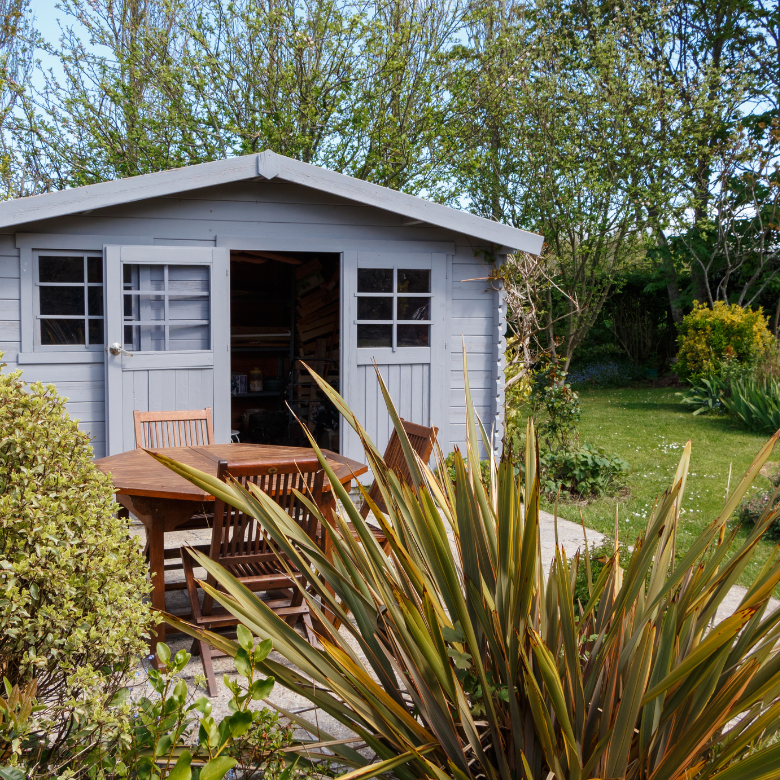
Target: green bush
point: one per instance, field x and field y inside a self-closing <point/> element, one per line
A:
<point x="756" y="404"/>
<point x="753" y="508"/>
<point x="174" y="734"/>
<point x="585" y="471"/>
<point x="72" y="582"/>
<point x="725" y="332"/>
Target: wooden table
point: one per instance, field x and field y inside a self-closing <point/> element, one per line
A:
<point x="162" y="500"/>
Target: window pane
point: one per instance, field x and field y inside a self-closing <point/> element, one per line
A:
<point x="413" y="280"/>
<point x="95" y="270"/>
<point x="62" y="300"/>
<point x="145" y="308"/>
<point x="146" y="338"/>
<point x="414" y="308"/>
<point x="414" y="335"/>
<point x="189" y="337"/>
<point x="375" y="280"/>
<point x="95" y="295"/>
<point x="61" y="269"/>
<point x="95" y="331"/>
<point x="188" y="278"/>
<point x="57" y="332"/>
<point x="144" y="277"/>
<point x="188" y="308"/>
<point x="375" y="308"/>
<point x="375" y="335"/>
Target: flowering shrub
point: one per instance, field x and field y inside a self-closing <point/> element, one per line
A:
<point x="72" y="581"/>
<point x="725" y="332"/>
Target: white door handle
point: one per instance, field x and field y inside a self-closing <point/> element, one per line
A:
<point x="116" y="349"/>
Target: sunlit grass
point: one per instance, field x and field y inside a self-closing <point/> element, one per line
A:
<point x="649" y="427"/>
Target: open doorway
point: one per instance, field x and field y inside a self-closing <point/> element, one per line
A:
<point x="284" y="308"/>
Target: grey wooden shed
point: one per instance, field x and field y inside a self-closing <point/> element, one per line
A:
<point x="179" y="289"/>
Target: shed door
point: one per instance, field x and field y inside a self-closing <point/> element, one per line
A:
<point x="394" y="311"/>
<point x="169" y="310"/>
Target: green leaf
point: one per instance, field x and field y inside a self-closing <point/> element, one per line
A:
<point x="245" y="638"/>
<point x="243" y="666"/>
<point x="261" y="689"/>
<point x="217" y="768"/>
<point x="163" y="653"/>
<point x="12" y="773"/>
<point x="181" y="770"/>
<point x="164" y="745"/>
<point x="239" y="723"/>
<point x="262" y="650"/>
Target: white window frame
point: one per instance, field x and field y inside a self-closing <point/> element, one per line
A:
<point x="38" y="317"/>
<point x="420" y="354"/>
<point x="166" y="294"/>
<point x="57" y="243"/>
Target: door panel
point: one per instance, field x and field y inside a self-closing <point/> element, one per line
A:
<point x="417" y="377"/>
<point x="167" y="308"/>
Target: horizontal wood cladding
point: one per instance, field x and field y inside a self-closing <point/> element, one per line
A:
<point x="9" y="310"/>
<point x="9" y="268"/>
<point x="9" y="289"/>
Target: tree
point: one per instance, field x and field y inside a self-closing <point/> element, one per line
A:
<point x="549" y="98"/>
<point x="713" y="66"/>
<point x="16" y="62"/>
<point x="120" y="107"/>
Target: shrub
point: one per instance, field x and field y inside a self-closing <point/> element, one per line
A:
<point x="756" y="404"/>
<point x="72" y="582"/>
<point x="464" y="659"/>
<point x="556" y="408"/>
<point x="705" y="393"/>
<point x="753" y="508"/>
<point x="164" y="742"/>
<point x="586" y="471"/>
<point x="724" y="332"/>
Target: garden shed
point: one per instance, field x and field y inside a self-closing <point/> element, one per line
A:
<point x="207" y="286"/>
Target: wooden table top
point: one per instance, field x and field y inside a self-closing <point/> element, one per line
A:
<point x="136" y="473"/>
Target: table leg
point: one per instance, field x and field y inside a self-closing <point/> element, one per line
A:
<point x="328" y="508"/>
<point x="157" y="567"/>
<point x="158" y="516"/>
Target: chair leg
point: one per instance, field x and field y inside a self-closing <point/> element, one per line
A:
<point x="208" y="668"/>
<point x="198" y="647"/>
<point x="310" y="635"/>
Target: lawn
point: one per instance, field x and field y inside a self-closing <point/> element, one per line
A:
<point x="648" y="427"/>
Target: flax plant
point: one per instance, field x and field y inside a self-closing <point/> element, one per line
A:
<point x="462" y="653"/>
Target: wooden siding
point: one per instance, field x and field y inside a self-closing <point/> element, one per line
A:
<point x="473" y="323"/>
<point x="275" y="212"/>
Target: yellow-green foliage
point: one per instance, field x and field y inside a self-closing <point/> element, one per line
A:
<point x="72" y="582"/>
<point x="726" y="331"/>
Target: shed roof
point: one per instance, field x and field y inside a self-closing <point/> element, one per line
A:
<point x="266" y="165"/>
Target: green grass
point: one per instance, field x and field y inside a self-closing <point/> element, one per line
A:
<point x="649" y="427"/>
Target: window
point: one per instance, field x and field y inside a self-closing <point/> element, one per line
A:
<point x="393" y="307"/>
<point x="69" y="301"/>
<point x="166" y="307"/>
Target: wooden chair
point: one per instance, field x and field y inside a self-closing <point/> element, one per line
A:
<point x="422" y="440"/>
<point x="239" y="544"/>
<point x="191" y="428"/>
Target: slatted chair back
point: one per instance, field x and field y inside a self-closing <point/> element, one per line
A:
<point x="238" y="541"/>
<point x="191" y="428"/>
<point x="422" y="440"/>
